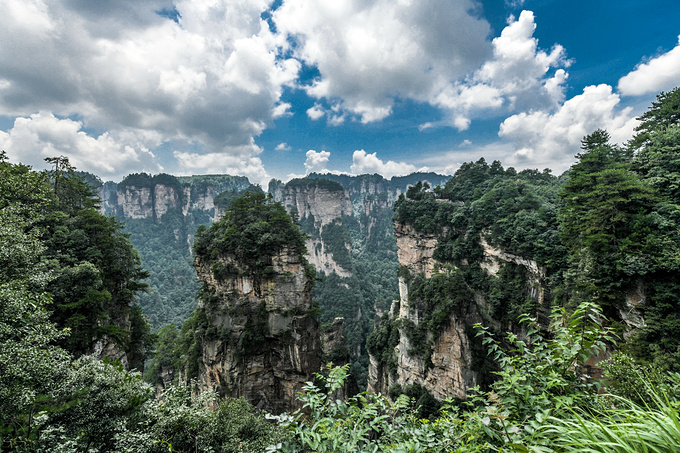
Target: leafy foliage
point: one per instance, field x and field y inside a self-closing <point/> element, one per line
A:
<point x="539" y="377"/>
<point x="254" y="229"/>
<point x="604" y="221"/>
<point x="97" y="273"/>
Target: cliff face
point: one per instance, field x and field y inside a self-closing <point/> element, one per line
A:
<point x="263" y="340"/>
<point x="448" y="370"/>
<point x="322" y="204"/>
<point x="414" y="250"/>
<point x="351" y="244"/>
<point x="142" y="196"/>
<point x="135" y="202"/>
<point x="318" y="206"/>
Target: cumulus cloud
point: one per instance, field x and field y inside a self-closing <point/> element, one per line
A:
<point x="317" y="161"/>
<point x="367" y="53"/>
<point x="42" y="135"/>
<point x="211" y="73"/>
<point x="282" y="147"/>
<point x="363" y="162"/>
<point x="519" y="76"/>
<point x="658" y="74"/>
<point x="370" y="53"/>
<point x="316" y="112"/>
<point x="544" y="139"/>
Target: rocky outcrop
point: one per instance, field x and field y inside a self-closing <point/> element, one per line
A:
<point x="323" y="260"/>
<point x="321" y="203"/>
<point x="165" y="198"/>
<point x="142" y="196"/>
<point x="263" y="340"/>
<point x="135" y="202"/>
<point x="414" y="250"/>
<point x="494" y="258"/>
<point x="447" y="371"/>
<point x="333" y="342"/>
<point x="318" y="203"/>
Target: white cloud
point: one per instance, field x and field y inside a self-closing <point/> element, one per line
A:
<point x="316" y="112"/>
<point x="42" y="135"/>
<point x="544" y="139"/>
<point x="434" y="51"/>
<point x="317" y="161"/>
<point x="518" y="77"/>
<point x="368" y="53"/>
<point x="363" y="162"/>
<point x="658" y="74"/>
<point x="213" y="77"/>
<point x="282" y="147"/>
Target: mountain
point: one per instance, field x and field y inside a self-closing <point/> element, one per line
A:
<point x="351" y="243"/>
<point x="161" y="213"/>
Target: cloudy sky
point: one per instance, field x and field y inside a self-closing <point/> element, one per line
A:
<point x="277" y="89"/>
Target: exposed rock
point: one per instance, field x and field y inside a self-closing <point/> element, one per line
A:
<point x="201" y="200"/>
<point x="493" y="258"/>
<point x="106" y="347"/>
<point x="629" y="312"/>
<point x="135" y="202"/>
<point x="320" y="203"/>
<point x="266" y="341"/>
<point x="165" y="198"/>
<point x="323" y="260"/>
<point x="448" y="371"/>
<point x="332" y="339"/>
<point x="415" y="250"/>
<point x="154" y="196"/>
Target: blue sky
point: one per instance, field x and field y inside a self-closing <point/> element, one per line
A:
<point x="278" y="89"/>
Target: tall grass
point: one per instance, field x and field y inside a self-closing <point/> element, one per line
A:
<point x="623" y="427"/>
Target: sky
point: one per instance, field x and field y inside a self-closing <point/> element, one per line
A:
<point x="279" y="89"/>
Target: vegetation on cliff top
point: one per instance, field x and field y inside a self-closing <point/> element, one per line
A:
<point x="606" y="231"/>
<point x="609" y="227"/>
<point x="254" y="229"/>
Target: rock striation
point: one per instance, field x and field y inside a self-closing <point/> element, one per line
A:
<point x="143" y="196"/>
<point x="449" y="370"/>
<point x="351" y="243"/>
<point x="318" y="203"/>
<point x="262" y="341"/>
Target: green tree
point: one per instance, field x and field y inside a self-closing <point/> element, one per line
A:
<point x="603" y="220"/>
<point x="663" y="113"/>
<point x="253" y="230"/>
<point x="97" y="271"/>
<point x="31" y="366"/>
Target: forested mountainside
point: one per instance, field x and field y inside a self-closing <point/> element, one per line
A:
<point x="555" y="297"/>
<point x="493" y="244"/>
<point x="255" y="331"/>
<point x="351" y="243"/>
<point x="71" y="334"/>
<point x="56" y="242"/>
<point x="161" y="214"/>
<point x="348" y="219"/>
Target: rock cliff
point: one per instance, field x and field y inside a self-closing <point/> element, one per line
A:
<point x="351" y="243"/>
<point x="263" y="338"/>
<point x="143" y="196"/>
<point x="318" y="203"/>
<point x="447" y="368"/>
<point x="257" y="323"/>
